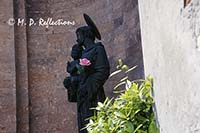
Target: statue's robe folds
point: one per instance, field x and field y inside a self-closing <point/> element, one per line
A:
<point x="91" y="90"/>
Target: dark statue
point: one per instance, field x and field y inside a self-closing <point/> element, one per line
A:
<point x="88" y="71"/>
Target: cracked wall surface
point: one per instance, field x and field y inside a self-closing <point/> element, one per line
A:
<point x="170" y="38"/>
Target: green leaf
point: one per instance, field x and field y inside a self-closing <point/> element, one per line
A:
<point x="134" y="86"/>
<point x="153" y="127"/>
<point x="100" y="105"/>
<point x="118" y="85"/>
<point x="117" y="92"/>
<point x="128" y="84"/>
<point x="119" y="114"/>
<point x="115" y="72"/>
<point x="130" y="112"/>
<point x="125" y="67"/>
<point x="130" y="69"/>
<point x="123" y="79"/>
<point x="120" y="63"/>
<point x="129" y="127"/>
<point x="138" y="128"/>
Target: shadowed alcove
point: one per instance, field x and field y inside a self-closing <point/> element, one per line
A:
<point x="49" y="48"/>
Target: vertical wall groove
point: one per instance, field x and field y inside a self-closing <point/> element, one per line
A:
<point x="22" y="99"/>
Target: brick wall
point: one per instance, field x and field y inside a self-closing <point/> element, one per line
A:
<point x="7" y="70"/>
<point x="34" y="58"/>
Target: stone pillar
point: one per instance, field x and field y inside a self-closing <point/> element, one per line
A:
<point x="21" y="68"/>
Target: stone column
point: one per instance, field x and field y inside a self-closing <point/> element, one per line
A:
<point x="22" y="96"/>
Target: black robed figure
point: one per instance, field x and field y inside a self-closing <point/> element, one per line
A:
<point x="90" y="72"/>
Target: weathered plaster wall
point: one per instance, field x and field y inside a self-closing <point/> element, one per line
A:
<point x="171" y="55"/>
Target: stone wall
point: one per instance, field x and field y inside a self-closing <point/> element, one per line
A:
<point x="34" y="58"/>
<point x="170" y="38"/>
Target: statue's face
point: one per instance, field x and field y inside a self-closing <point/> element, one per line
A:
<point x="80" y="37"/>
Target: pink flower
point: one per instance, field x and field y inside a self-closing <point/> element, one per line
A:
<point x="85" y="62"/>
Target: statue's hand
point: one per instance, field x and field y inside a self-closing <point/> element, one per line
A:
<point x="71" y="67"/>
<point x="67" y="82"/>
<point x="79" y="43"/>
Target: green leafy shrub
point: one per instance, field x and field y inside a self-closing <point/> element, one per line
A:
<point x="130" y="112"/>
